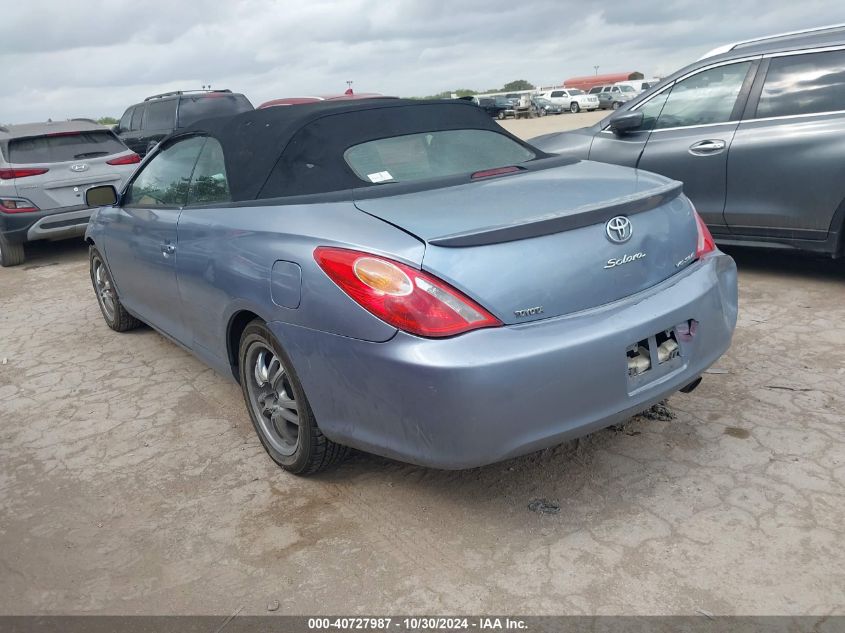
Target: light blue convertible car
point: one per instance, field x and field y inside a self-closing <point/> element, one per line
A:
<point x="407" y="278"/>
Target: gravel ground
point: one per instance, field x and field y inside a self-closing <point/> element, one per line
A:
<point x="131" y="480"/>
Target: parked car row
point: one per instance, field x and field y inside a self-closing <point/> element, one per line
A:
<point x="406" y="223"/>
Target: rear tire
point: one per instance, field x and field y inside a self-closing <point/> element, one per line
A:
<point x="616" y="105"/>
<point x="11" y="253"/>
<point x="278" y="407"/>
<point x="501" y="116"/>
<point x="114" y="314"/>
<point x="574" y="108"/>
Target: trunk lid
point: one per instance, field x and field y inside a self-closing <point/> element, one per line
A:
<point x="535" y="245"/>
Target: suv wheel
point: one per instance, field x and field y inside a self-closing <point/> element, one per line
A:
<point x="574" y="108"/>
<point x="501" y="115"/>
<point x="616" y="105"/>
<point x="11" y="253"/>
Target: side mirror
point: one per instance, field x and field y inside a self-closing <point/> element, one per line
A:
<point x="626" y="122"/>
<point x="102" y="196"/>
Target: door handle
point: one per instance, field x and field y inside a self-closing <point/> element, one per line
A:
<point x="704" y="148"/>
<point x="167" y="249"/>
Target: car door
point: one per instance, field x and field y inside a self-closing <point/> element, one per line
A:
<point x="785" y="166"/>
<point x="203" y="237"/>
<point x="694" y="131"/>
<point x="141" y="244"/>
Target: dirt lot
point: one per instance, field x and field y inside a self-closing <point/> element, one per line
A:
<point x="131" y="480"/>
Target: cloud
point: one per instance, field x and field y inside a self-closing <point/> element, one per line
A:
<point x="95" y="58"/>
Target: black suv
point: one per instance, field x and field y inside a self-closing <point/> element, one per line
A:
<point x="145" y="124"/>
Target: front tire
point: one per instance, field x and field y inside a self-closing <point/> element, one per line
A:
<point x="114" y="314"/>
<point x="501" y="116"/>
<point x="574" y="108"/>
<point x="11" y="253"/>
<point x="278" y="408"/>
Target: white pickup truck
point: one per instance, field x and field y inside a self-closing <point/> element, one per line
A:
<point x="572" y="99"/>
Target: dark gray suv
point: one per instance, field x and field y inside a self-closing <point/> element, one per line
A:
<point x="145" y="124"/>
<point x="756" y="132"/>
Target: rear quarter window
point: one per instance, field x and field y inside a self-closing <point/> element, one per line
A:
<point x="206" y="106"/>
<point x="804" y="84"/>
<point x="433" y="155"/>
<point x="126" y="119"/>
<point x="61" y="147"/>
<point x="137" y="116"/>
<point x="161" y="115"/>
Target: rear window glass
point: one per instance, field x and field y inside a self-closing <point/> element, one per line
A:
<point x="206" y="106"/>
<point x="433" y="155"/>
<point x="61" y="147"/>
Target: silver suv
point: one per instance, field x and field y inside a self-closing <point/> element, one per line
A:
<point x="45" y="170"/>
<point x="756" y="132"/>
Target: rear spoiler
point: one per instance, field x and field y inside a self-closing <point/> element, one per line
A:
<point x="559" y="222"/>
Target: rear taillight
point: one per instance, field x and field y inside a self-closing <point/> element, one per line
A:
<point x="404" y="297"/>
<point x="16" y="205"/>
<point x="129" y="159"/>
<point x="705" y="240"/>
<point x="21" y="172"/>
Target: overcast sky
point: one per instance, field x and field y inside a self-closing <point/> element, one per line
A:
<point x="95" y="58"/>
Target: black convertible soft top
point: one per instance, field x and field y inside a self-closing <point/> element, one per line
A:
<point x="298" y="149"/>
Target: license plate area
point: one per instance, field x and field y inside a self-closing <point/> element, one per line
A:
<point x="658" y="355"/>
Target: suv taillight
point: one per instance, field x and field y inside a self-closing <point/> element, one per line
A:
<point x="21" y="172"/>
<point x="16" y="205"/>
<point x="404" y="297"/>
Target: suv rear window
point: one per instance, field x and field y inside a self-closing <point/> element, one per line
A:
<point x="433" y="155"/>
<point x="205" y="106"/>
<point x="63" y="147"/>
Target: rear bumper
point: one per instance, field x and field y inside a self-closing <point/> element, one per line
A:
<point x="43" y="225"/>
<point x="497" y="393"/>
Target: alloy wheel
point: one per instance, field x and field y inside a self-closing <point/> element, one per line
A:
<point x="271" y="397"/>
<point x="105" y="291"/>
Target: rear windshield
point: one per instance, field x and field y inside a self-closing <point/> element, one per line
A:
<point x="63" y="147"/>
<point x="433" y="155"/>
<point x="206" y="106"/>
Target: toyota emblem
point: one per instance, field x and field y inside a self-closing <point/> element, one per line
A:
<point x="619" y="229"/>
